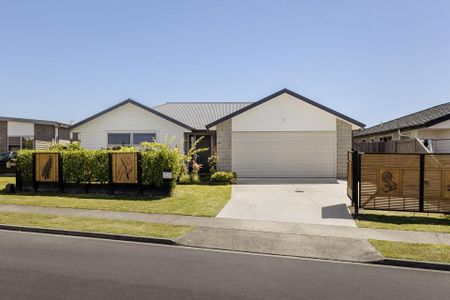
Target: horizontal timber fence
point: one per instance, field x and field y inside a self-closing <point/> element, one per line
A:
<point x="408" y="146"/>
<point x="399" y="182"/>
<point x="98" y="172"/>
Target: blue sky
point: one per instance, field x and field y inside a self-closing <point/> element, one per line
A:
<point x="371" y="60"/>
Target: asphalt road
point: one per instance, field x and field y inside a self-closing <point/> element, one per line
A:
<point x="38" y="266"/>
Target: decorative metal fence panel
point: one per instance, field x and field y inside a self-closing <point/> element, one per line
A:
<point x="390" y="181"/>
<point x="437" y="183"/>
<point x="400" y="182"/>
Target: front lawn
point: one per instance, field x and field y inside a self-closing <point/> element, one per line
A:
<point x="135" y="228"/>
<point x="190" y="200"/>
<point x="413" y="251"/>
<point x="4" y="180"/>
<point x="404" y="221"/>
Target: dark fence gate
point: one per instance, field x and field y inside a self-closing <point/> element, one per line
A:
<point x="399" y="182"/>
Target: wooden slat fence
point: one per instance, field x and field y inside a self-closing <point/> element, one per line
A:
<point x="403" y="182"/>
<point x="409" y="146"/>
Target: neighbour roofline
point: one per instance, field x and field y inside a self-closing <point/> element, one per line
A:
<point x="289" y="92"/>
<point x="418" y="126"/>
<point x="424" y="125"/>
<point x="130" y="101"/>
<point x="36" y="121"/>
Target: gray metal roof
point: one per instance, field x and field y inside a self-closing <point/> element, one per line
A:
<point x="35" y="121"/>
<point x="198" y="114"/>
<point x="424" y="118"/>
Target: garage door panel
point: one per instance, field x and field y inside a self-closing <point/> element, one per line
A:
<point x="284" y="154"/>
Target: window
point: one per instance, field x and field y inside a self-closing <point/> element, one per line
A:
<point x="138" y="138"/>
<point x="76" y="136"/>
<point x="27" y="143"/>
<point x="386" y="139"/>
<point x="119" y="139"/>
<point x="16" y="143"/>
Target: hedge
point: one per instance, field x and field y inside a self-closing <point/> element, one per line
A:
<point x="92" y="166"/>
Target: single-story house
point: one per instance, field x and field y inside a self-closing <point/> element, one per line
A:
<point x="19" y="133"/>
<point x="431" y="125"/>
<point x="282" y="135"/>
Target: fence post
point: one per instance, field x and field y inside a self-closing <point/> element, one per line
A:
<point x="33" y="173"/>
<point x="355" y="181"/>
<point x="422" y="183"/>
<point x="60" y="174"/>
<point x="110" y="174"/>
<point x="19" y="186"/>
<point x="139" y="172"/>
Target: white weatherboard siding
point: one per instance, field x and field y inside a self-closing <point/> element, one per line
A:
<point x="284" y="154"/>
<point x="284" y="137"/>
<point x="441" y="146"/>
<point x="20" y="129"/>
<point x="285" y="113"/>
<point x="128" y="118"/>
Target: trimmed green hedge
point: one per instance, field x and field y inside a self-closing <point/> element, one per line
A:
<point x="92" y="166"/>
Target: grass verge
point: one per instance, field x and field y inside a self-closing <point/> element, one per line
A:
<point x="413" y="251"/>
<point x="190" y="200"/>
<point x="404" y="221"/>
<point x="134" y="228"/>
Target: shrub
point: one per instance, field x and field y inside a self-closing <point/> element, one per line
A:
<point x="24" y="165"/>
<point x="158" y="158"/>
<point x="184" y="178"/>
<point x="195" y="178"/>
<point x="223" y="177"/>
<point x="213" y="160"/>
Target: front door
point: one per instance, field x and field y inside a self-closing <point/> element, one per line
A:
<point x="202" y="157"/>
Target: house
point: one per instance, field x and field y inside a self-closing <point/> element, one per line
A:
<point x="19" y="133"/>
<point x="431" y="126"/>
<point x="282" y="135"/>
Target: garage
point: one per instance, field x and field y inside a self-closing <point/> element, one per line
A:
<point x="284" y="153"/>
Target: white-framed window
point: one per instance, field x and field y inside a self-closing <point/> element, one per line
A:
<point x="119" y="138"/>
<point x="130" y="138"/>
<point x="138" y="138"/>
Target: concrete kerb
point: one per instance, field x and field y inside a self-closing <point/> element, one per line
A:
<point x="98" y="235"/>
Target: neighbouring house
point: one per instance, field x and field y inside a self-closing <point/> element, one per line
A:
<point x="19" y="133"/>
<point x="430" y="127"/>
<point x="282" y="135"/>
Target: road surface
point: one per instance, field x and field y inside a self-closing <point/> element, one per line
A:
<point x="39" y="266"/>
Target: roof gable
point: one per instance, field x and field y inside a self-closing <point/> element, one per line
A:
<point x="295" y="95"/>
<point x="130" y="101"/>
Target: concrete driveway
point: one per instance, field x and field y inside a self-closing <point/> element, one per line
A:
<point x="310" y="201"/>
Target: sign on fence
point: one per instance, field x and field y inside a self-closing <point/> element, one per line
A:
<point x="47" y="167"/>
<point x="124" y="168"/>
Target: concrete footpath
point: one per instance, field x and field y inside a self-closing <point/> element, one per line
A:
<point x="306" y="240"/>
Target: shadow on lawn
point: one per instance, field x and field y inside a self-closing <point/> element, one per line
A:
<point x="89" y="196"/>
<point x="401" y="220"/>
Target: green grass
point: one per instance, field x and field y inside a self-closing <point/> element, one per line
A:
<point x="94" y="225"/>
<point x="191" y="200"/>
<point x="5" y="180"/>
<point x="404" y="221"/>
<point x="413" y="251"/>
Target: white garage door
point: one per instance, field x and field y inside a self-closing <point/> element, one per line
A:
<point x="284" y="154"/>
